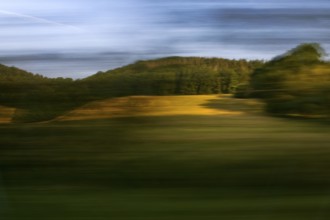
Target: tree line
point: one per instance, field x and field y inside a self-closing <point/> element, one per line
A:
<point x="173" y="76"/>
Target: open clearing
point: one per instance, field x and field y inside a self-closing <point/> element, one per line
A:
<point x="178" y="166"/>
<point x="164" y="106"/>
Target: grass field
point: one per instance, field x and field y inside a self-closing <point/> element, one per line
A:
<point x="170" y="165"/>
<point x="136" y="106"/>
<point x="6" y="114"/>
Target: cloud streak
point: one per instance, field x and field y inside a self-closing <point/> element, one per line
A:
<point x="38" y="19"/>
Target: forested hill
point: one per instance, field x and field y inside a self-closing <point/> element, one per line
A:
<point x="37" y="97"/>
<point x="16" y="85"/>
<point x="173" y="75"/>
<point x="16" y="74"/>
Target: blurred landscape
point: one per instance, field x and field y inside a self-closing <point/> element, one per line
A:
<point x="170" y="138"/>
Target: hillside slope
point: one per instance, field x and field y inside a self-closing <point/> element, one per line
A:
<point x="133" y="106"/>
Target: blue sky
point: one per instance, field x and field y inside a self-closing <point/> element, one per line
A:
<point x="76" y="38"/>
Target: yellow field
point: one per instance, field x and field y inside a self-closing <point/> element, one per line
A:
<point x="6" y="114"/>
<point x="164" y="106"/>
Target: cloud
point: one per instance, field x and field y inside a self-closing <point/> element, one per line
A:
<point x="261" y="28"/>
<point x="79" y="64"/>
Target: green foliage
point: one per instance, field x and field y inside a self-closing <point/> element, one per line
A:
<point x="296" y="83"/>
<point x="243" y="91"/>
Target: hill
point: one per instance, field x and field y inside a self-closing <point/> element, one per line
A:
<point x="40" y="98"/>
<point x="37" y="97"/>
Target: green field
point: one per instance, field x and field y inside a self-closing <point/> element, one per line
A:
<point x="168" y="166"/>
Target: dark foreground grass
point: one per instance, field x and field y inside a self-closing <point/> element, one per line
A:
<point x="183" y="167"/>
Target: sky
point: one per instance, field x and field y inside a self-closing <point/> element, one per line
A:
<point x="77" y="38"/>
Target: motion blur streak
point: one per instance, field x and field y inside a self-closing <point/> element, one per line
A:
<point x="220" y="124"/>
